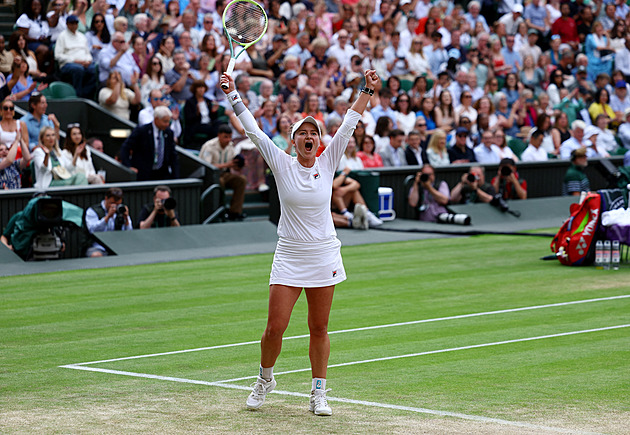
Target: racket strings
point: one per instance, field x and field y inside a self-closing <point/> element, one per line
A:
<point x="245" y="22"/>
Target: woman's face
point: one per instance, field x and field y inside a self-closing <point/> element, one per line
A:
<point x="306" y="141"/>
<point x="427" y="104"/>
<point x="138" y="45"/>
<point x="496" y="46"/>
<point x="211" y="44"/>
<point x="313" y="103"/>
<point x="352" y="145"/>
<point x="484" y="106"/>
<point x="603" y="97"/>
<point x="441" y="143"/>
<point x="602" y="122"/>
<point x="368" y="145"/>
<point x="76" y="136"/>
<point x="37" y="7"/>
<point x="49" y="138"/>
<point x="284" y="124"/>
<point x="563" y="120"/>
<point x="8" y="109"/>
<point x="21" y="42"/>
<point x="270" y="108"/>
<point x="203" y="63"/>
<point x="511" y="80"/>
<point x="528" y="62"/>
<point x="294" y="104"/>
<point x="503" y="103"/>
<point x="113" y="79"/>
<point x="169" y="44"/>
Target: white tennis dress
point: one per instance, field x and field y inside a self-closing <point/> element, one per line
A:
<point x="308" y="251"/>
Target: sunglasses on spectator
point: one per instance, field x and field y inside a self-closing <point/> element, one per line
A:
<point x="462" y="135"/>
<point x="465" y="122"/>
<point x="467" y="96"/>
<point x="98" y="21"/>
<point x="8" y="108"/>
<point x="421" y="125"/>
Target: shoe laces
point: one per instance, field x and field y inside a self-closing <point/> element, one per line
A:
<point x="319" y="398"/>
<point x="258" y="388"/>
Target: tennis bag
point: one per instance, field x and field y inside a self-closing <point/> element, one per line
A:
<point x="574" y="245"/>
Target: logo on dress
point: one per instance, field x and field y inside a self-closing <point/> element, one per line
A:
<point x="334" y="273"/>
<point x="316" y="175"/>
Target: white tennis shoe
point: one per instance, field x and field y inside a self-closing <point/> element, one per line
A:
<point x="360" y="220"/>
<point x="373" y="221"/>
<point x="260" y="388"/>
<point x="318" y="402"/>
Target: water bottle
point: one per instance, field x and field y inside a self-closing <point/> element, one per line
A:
<point x="607" y="254"/>
<point x="616" y="255"/>
<point x="599" y="254"/>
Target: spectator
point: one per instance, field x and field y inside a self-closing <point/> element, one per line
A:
<point x="620" y="100"/>
<point x="436" y="150"/>
<point x="76" y="151"/>
<point x="80" y="9"/>
<point x="601" y="105"/>
<point x="11" y="129"/>
<point x="19" y="49"/>
<point x="511" y="20"/>
<point x="188" y="24"/>
<point x="427" y="111"/>
<point x="161" y="212"/>
<point x="591" y="135"/>
<point x="622" y="58"/>
<point x="342" y="50"/>
<point x="10" y="165"/>
<point x="473" y="16"/>
<point x="534" y="151"/>
<point x="165" y="53"/>
<point x="117" y="98"/>
<point x="466" y="110"/>
<point x="566" y="27"/>
<point x="107" y="216"/>
<point x="283" y="138"/>
<point x="531" y="76"/>
<point x="25" y="85"/>
<point x="367" y="153"/>
<point x="501" y="142"/>
<point x="96" y="144"/>
<point x="431" y="201"/>
<point x="34" y="26"/>
<point x="472" y="188"/>
<point x="530" y="48"/>
<point x="98" y="36"/>
<point x="346" y="191"/>
<point x="122" y="25"/>
<point x="405" y="118"/>
<point x="415" y="154"/>
<point x="140" y="53"/>
<point x="180" y="78"/>
<point x="597" y="49"/>
<point x="220" y="152"/>
<point x="150" y="149"/>
<point x="606" y="142"/>
<point x="153" y="79"/>
<point x="624" y="130"/>
<point x="445" y="115"/>
<point x="575" y="180"/>
<point x="116" y="57"/>
<point x="507" y="119"/>
<point x="56" y="17"/>
<point x="201" y="116"/>
<point x="460" y="152"/>
<point x="37" y="119"/>
<point x="487" y="151"/>
<point x="576" y="141"/>
<point x="394" y="154"/>
<point x="507" y="183"/>
<point x="75" y="60"/>
<point x="51" y="166"/>
<point x="6" y="57"/>
<point x="350" y="158"/>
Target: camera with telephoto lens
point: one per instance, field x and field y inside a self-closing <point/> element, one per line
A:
<point x="120" y="220"/>
<point x="424" y="178"/>
<point x="453" y="218"/>
<point x="499" y="202"/>
<point x="506" y="171"/>
<point x="471" y="177"/>
<point x="169" y="203"/>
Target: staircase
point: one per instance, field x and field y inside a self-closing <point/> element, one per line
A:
<point x="256" y="205"/>
<point x="7" y="18"/>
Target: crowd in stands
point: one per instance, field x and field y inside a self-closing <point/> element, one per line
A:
<point x="462" y="82"/>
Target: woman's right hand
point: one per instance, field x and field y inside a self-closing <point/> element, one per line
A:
<point x="226" y="80"/>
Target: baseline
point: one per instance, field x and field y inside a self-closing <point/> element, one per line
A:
<point x="365" y="328"/>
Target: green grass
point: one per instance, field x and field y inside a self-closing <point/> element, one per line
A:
<point x="576" y="382"/>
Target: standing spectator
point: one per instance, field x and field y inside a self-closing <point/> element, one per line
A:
<point x="98" y="37"/>
<point x="51" y="166"/>
<point x="534" y="151"/>
<point x="597" y="49"/>
<point x="566" y="27"/>
<point x="10" y="164"/>
<point x="75" y="60"/>
<point x="487" y="151"/>
<point x="436" y="150"/>
<point x="507" y="183"/>
<point x="116" y="57"/>
<point x="34" y="26"/>
<point x="575" y="180"/>
<point x="431" y="201"/>
<point x="220" y="152"/>
<point x="117" y="98"/>
<point x="394" y="154"/>
<point x="105" y="216"/>
<point x="536" y="17"/>
<point x="76" y="151"/>
<point x="150" y="149"/>
<point x="160" y="213"/>
<point x="37" y="119"/>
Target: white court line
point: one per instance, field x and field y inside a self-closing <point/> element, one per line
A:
<point x="367" y="328"/>
<point x="225" y="384"/>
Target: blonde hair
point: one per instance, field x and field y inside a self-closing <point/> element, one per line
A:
<point x="435" y="138"/>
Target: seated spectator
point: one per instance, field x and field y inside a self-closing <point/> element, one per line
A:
<point x="116" y="97"/>
<point x="116" y="57"/>
<point x="346" y="191"/>
<point x="466" y="109"/>
<point x="150" y="149"/>
<point x="10" y="165"/>
<point x="606" y="141"/>
<point x="591" y="135"/>
<point x="577" y="140"/>
<point x="153" y="79"/>
<point x="25" y="85"/>
<point x="180" y="78"/>
<point x="140" y="53"/>
<point x="534" y="151"/>
<point x="415" y="154"/>
<point x="487" y="151"/>
<point x="34" y="26"/>
<point x="575" y="180"/>
<point x="268" y="118"/>
<point x="221" y="153"/>
<point x="37" y="119"/>
<point x="367" y="153"/>
<point x="96" y="144"/>
<point x="624" y="130"/>
<point x="501" y="141"/>
<point x="436" y="150"/>
<point x="507" y="183"/>
<point x="75" y="59"/>
<point x="122" y="25"/>
<point x="430" y="200"/>
<point x="384" y="126"/>
<point x="6" y="57"/>
<point x="165" y="53"/>
<point x="349" y="159"/>
<point x="460" y="152"/>
<point x="394" y="154"/>
<point x="472" y="188"/>
<point x="601" y="105"/>
<point x="52" y="168"/>
<point x="98" y="36"/>
<point x="11" y="129"/>
<point x="76" y="151"/>
<point x="161" y="212"/>
<point x="105" y="216"/>
<point x="18" y="47"/>
<point x="620" y="100"/>
<point x="147" y="114"/>
<point x="201" y="117"/>
<point x="283" y="138"/>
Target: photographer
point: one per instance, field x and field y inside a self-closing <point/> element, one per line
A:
<point x="220" y="152"/>
<point x="423" y="194"/>
<point x="109" y="215"/>
<point x="507" y="183"/>
<point x="473" y="188"/>
<point x="161" y="212"/>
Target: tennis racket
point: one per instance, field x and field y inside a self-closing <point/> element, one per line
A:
<point x="244" y="22"/>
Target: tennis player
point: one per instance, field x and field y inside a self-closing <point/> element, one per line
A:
<point x="308" y="252"/>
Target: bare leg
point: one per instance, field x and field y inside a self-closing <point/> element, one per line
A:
<point x="282" y="299"/>
<point x="319" y="303"/>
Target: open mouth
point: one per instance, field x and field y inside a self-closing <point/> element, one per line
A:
<point x="308" y="146"/>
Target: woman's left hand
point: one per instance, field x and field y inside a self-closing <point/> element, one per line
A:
<point x="371" y="78"/>
<point x="227" y="80"/>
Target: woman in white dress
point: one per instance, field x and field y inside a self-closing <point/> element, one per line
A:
<point x="76" y="151"/>
<point x="308" y="252"/>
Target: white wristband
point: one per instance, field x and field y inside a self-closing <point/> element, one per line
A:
<point x="234" y="98"/>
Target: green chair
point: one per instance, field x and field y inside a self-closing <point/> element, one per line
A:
<point x="256" y="87"/>
<point x="406" y="85"/>
<point x="517" y="146"/>
<point x="59" y="91"/>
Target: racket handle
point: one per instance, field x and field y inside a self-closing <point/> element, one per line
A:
<point x="229" y="70"/>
